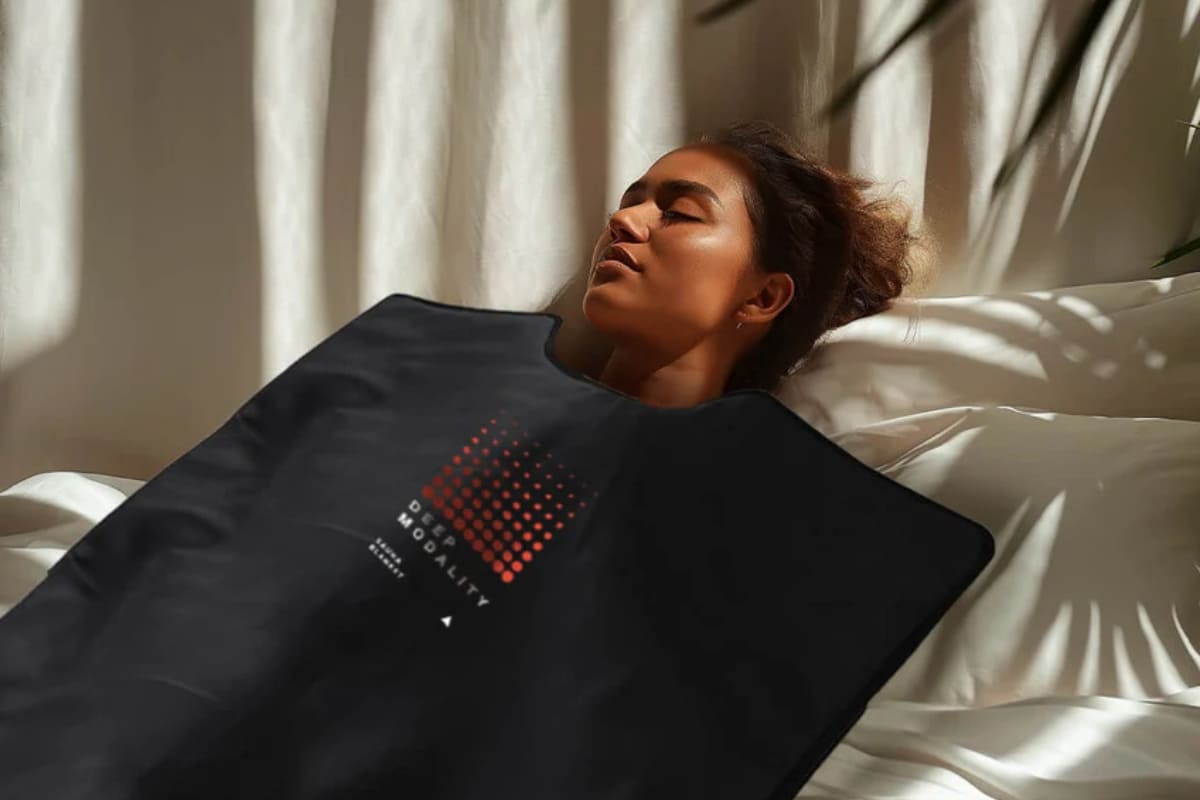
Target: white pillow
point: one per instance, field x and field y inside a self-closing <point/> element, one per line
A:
<point x="1116" y="349"/>
<point x="1095" y="585"/>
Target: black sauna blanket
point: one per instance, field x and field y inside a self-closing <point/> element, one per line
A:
<point x="430" y="561"/>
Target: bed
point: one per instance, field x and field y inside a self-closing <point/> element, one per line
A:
<point x="1067" y="422"/>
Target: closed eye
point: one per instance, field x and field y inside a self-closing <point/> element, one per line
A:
<point x="676" y="215"/>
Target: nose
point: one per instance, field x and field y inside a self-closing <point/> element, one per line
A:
<point x="619" y="227"/>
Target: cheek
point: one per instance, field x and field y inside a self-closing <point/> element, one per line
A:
<point x="708" y="266"/>
<point x="700" y="295"/>
<point x="702" y="280"/>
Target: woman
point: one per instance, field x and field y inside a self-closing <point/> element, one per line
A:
<point x="739" y="252"/>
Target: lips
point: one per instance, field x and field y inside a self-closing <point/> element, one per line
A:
<point x="618" y="253"/>
<point x="609" y="269"/>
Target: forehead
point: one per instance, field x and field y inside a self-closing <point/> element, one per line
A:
<point x="712" y="166"/>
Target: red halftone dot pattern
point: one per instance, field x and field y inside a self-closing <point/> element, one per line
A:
<point x="517" y="479"/>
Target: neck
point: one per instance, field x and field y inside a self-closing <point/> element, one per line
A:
<point x="687" y="381"/>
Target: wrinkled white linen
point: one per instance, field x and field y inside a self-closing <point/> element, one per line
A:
<point x="1041" y="748"/>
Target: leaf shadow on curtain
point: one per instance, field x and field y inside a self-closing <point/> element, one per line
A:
<point x="1063" y="201"/>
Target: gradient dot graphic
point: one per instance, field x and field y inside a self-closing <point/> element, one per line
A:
<point x="520" y="489"/>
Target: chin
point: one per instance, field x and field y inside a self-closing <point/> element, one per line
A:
<point x="607" y="312"/>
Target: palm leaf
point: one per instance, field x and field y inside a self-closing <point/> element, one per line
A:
<point x="1178" y="252"/>
<point x="1064" y="70"/>
<point x="715" y="12"/>
<point x="1067" y="66"/>
<point x="1183" y="249"/>
<point x="933" y="10"/>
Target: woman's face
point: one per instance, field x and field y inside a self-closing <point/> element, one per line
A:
<point x="686" y="225"/>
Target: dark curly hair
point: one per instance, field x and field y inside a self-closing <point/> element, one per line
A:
<point x="848" y="256"/>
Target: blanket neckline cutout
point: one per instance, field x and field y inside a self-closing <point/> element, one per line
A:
<point x="585" y="380"/>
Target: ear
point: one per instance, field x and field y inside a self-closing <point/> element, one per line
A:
<point x="775" y="292"/>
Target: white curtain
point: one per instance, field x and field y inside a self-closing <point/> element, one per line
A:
<point x="193" y="194"/>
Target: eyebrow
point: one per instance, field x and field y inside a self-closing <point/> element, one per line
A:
<point x="681" y="186"/>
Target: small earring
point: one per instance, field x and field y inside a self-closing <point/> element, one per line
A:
<point x="739" y="325"/>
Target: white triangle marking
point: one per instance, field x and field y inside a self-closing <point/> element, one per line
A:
<point x="446" y="621"/>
